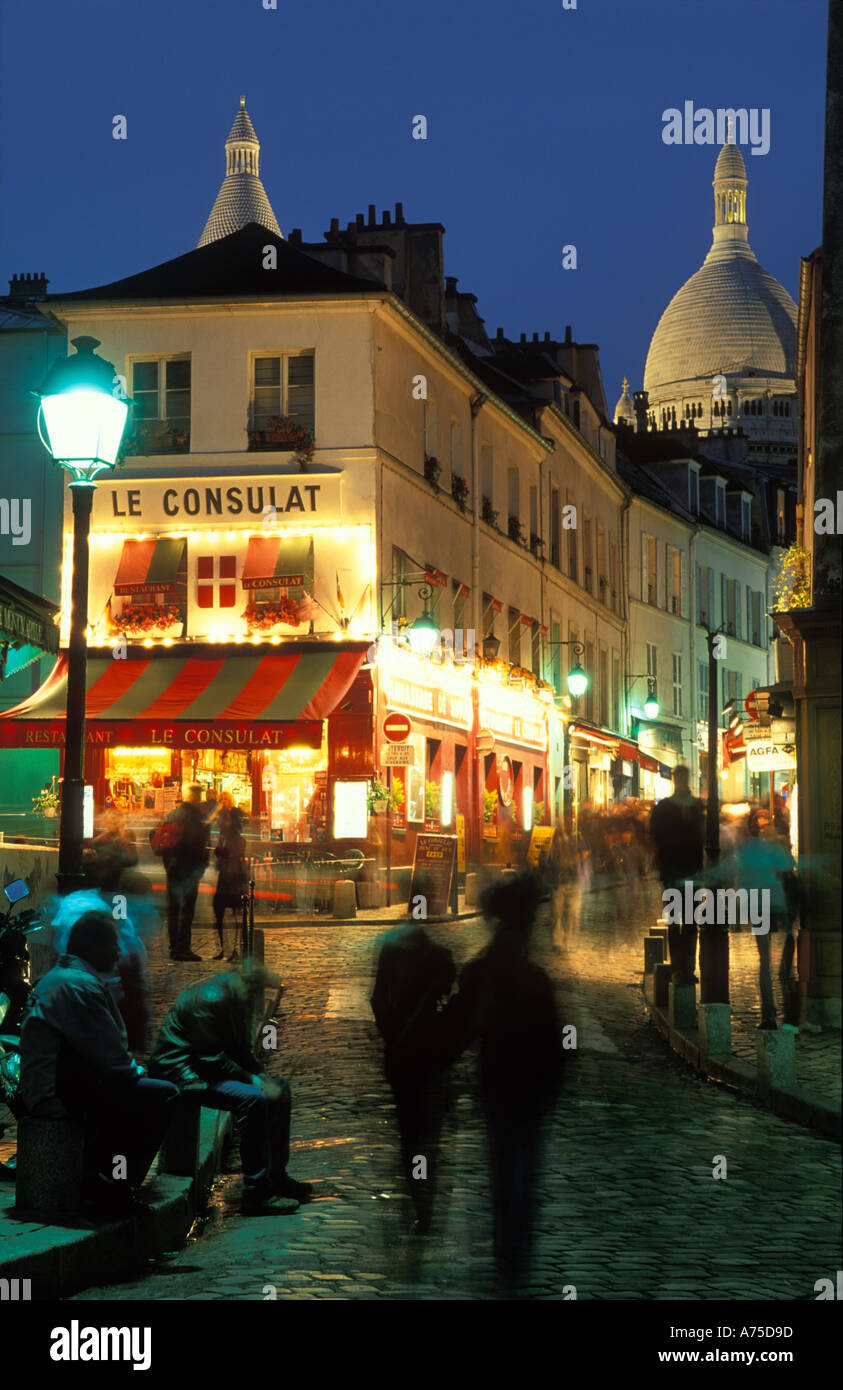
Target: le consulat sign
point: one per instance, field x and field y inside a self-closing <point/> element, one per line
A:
<point x="233" y="499"/>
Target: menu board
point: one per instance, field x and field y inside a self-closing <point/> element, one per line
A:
<point x="434" y="876"/>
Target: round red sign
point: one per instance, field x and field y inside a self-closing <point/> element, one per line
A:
<point x="750" y="704"/>
<point x="396" y="728"/>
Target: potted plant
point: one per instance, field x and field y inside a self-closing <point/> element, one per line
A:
<point x="377" y="798"/>
<point x="154" y="437"/>
<point x="488" y="513"/>
<point x="46" y="803"/>
<point x="262" y="617"/>
<point x="459" y="492"/>
<point x="432" y="469"/>
<point x="516" y="530"/>
<point x="536" y="545"/>
<point x="278" y="431"/>
<point x="432" y="799"/>
<point x="490" y="805"/>
<point x="143" y="618"/>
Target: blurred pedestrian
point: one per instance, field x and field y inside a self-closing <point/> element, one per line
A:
<point x="414" y="978"/>
<point x="764" y="863"/>
<point x="182" y="842"/>
<point x="232" y="880"/>
<point x="505" y="1001"/>
<point x="677" y="831"/>
<point x="75" y="1062"/>
<point x="205" y="1048"/>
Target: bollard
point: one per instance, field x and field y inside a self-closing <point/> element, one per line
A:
<point x="715" y="1025"/>
<point x="682" y="1006"/>
<point x="653" y="953"/>
<point x="472" y="890"/>
<point x="258" y="945"/>
<point x="49" y="1169"/>
<point x="345" y="898"/>
<point x="661" y="985"/>
<point x="660" y="932"/>
<point x="776" y="1058"/>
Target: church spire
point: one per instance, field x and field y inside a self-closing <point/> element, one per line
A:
<point x="241" y="198"/>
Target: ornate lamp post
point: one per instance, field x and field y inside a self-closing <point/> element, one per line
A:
<point x="83" y="409"/>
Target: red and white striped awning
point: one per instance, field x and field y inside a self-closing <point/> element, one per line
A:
<point x="199" y="698"/>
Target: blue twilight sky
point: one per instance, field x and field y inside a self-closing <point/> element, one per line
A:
<point x="544" y="129"/>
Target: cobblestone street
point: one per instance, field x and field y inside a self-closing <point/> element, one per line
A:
<point x="628" y="1208"/>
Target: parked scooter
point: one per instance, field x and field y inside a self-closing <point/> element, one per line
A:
<point x="15" y="989"/>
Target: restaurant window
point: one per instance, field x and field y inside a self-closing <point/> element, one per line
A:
<point x="294" y="794"/>
<point x="160" y="397"/>
<point x="216" y="581"/>
<point x="677" y="683"/>
<point x="416" y="779"/>
<point x="282" y="386"/>
<point x="515" y="637"/>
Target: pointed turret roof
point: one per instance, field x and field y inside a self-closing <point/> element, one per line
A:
<point x="625" y="408"/>
<point x="242" y="198"/>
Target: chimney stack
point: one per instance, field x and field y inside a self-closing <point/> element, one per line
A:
<point x="567" y="333"/>
<point x="399" y="214"/>
<point x="334" y="233"/>
<point x="523" y="337"/>
<point x="28" y="286"/>
<point x="361" y="221"/>
<point x="387" y="220"/>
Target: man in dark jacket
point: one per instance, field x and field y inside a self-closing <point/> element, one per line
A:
<point x="677" y="831"/>
<point x="186" y="837"/>
<point x="75" y="1062"/>
<point x="205" y="1048"/>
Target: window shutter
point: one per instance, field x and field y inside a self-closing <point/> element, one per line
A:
<point x="738" y="630"/>
<point x="724" y="601"/>
<point x="683" y="600"/>
<point x="645" y="572"/>
<point x="710" y="582"/>
<point x="748" y="613"/>
<point x="701" y="601"/>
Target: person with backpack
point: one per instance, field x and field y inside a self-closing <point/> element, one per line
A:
<point x="414" y="977"/>
<point x="677" y="830"/>
<point x="182" y="841"/>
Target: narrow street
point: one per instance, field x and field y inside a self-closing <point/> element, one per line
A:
<point x="628" y="1207"/>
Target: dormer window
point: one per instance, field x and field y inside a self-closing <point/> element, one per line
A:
<point x="746" y="519"/>
<point x="719" y="503"/>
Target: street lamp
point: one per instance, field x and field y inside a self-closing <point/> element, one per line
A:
<point x="83" y="409"/>
<point x="651" y="704"/>
<point x="577" y="679"/>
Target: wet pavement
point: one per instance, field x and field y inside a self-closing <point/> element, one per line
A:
<point x="628" y="1207"/>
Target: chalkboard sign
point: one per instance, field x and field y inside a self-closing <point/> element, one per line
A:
<point x="434" y="877"/>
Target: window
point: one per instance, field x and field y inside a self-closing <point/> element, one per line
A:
<point x="487" y="473"/>
<point x="677" y="683"/>
<point x="456" y="449"/>
<point x="161" y="392"/>
<point x="587" y="555"/>
<point x="649" y="569"/>
<point x="753" y="616"/>
<point x="780" y="516"/>
<point x="732" y="682"/>
<point x="431" y="429"/>
<point x="515" y="636"/>
<point x="616" y="689"/>
<point x="613" y="576"/>
<point x="674" y="579"/>
<point x="216" y="577"/>
<point x="513" y="494"/>
<point x="702" y="689"/>
<point x="705" y="596"/>
<point x="537" y="649"/>
<point x="720" y="503"/>
<point x="554" y="526"/>
<point x="573" y="558"/>
<point x="746" y="518"/>
<point x="491" y="607"/>
<point x="602" y="576"/>
<point x="731" y="606"/>
<point x="575" y="412"/>
<point x="283" y="386"/>
<point x="534" y="516"/>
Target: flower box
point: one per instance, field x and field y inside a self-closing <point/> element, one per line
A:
<point x="165" y="620"/>
<point x="432" y="470"/>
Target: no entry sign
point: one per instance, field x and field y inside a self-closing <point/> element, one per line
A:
<point x="750" y="704"/>
<point x="396" y="728"/>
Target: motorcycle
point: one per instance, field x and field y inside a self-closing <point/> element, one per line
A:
<point x="15" y="989"/>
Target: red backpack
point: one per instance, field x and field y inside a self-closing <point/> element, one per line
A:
<point x="166" y="838"/>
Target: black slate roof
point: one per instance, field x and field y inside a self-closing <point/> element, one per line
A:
<point x="230" y="268"/>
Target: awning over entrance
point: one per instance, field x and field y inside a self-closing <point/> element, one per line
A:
<point x="620" y="747"/>
<point x="27" y="628"/>
<point x="149" y="567"/>
<point x="200" y="699"/>
<point x="274" y="562"/>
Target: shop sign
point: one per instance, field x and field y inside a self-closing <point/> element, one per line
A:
<point x="157" y="733"/>
<point x="439" y="706"/>
<point x="540" y="838"/>
<point x="514" y="728"/>
<point x="398" y="755"/>
<point x="19" y="627"/>
<point x="461" y="844"/>
<point x="211" y="499"/>
<point x="433" y="873"/>
<point x="768" y="753"/>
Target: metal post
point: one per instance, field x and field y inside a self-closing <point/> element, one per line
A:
<point x="388" y="837"/>
<point x="69" y="876"/>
